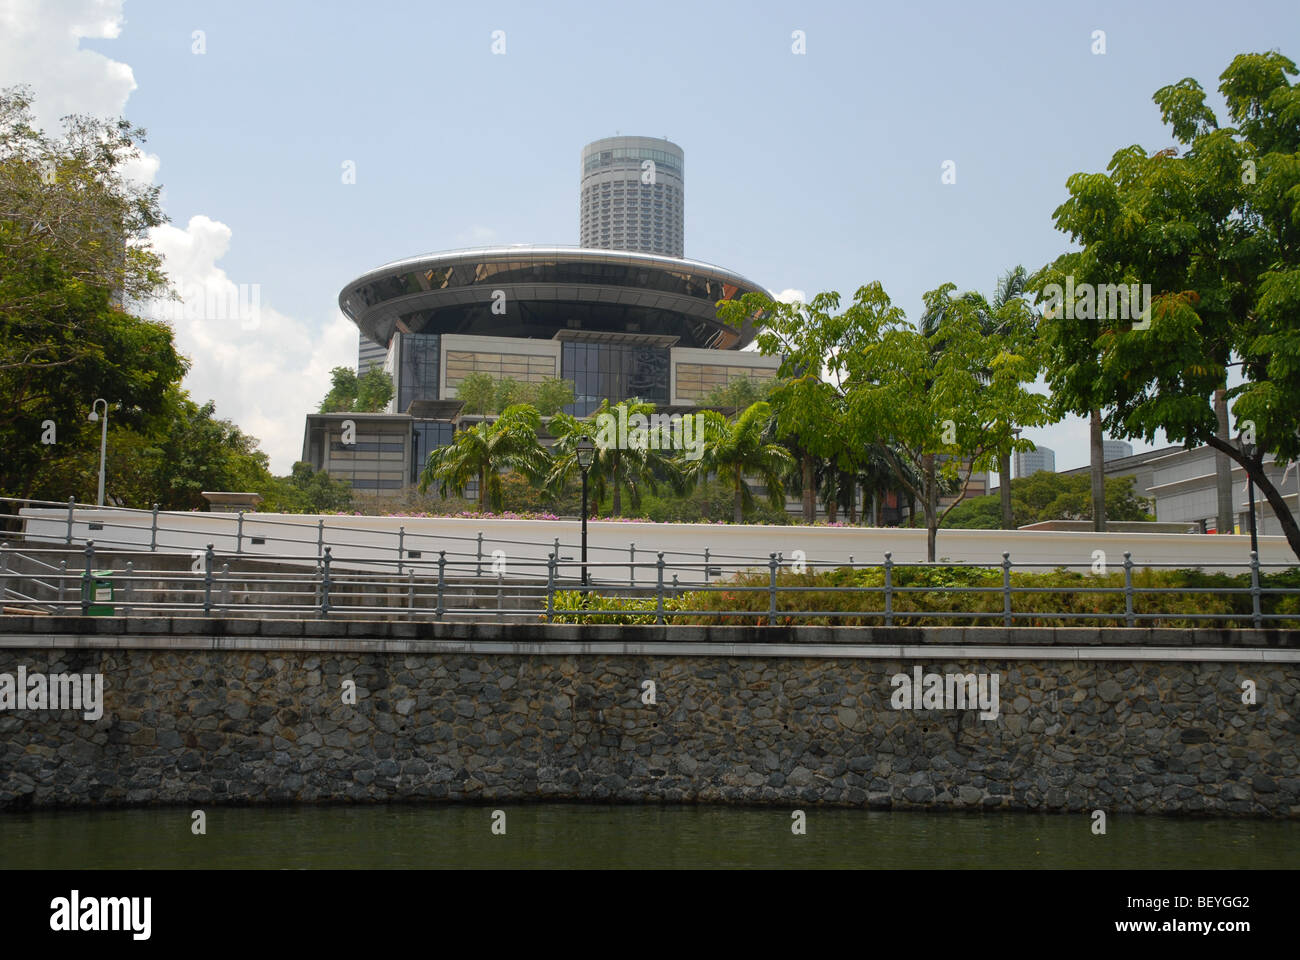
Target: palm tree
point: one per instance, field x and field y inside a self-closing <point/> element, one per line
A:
<point x="483" y="452"/>
<point x="733" y="450"/>
<point x="616" y="467"/>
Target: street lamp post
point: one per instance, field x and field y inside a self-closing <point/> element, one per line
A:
<point x="586" y="453"/>
<point x="103" y="441"/>
<point x="1248" y="450"/>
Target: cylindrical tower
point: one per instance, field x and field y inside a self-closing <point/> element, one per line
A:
<point x="633" y="195"/>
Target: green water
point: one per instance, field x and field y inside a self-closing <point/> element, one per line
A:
<point x="590" y="836"/>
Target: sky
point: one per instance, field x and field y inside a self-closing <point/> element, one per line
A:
<point x="805" y="171"/>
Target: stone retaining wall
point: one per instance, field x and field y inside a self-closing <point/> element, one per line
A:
<point x="550" y="718"/>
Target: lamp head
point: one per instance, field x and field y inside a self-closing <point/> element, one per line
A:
<point x="586" y="451"/>
<point x="94" y="416"/>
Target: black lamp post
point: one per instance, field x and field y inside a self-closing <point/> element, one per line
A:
<point x="586" y="453"/>
<point x="1248" y="450"/>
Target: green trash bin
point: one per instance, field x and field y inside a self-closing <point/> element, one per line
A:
<point x="98" y="593"/>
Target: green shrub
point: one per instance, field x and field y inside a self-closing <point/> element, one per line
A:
<point x="930" y="589"/>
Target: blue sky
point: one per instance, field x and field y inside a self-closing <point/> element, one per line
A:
<point x="811" y="172"/>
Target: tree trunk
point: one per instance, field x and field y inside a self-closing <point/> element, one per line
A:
<point x="1255" y="468"/>
<point x="1004" y="488"/>
<point x="809" y="490"/>
<point x="931" y="507"/>
<point x="1223" y="466"/>
<point x="740" y="500"/>
<point x="617" y="506"/>
<point x="482" y="489"/>
<point x="833" y="495"/>
<point x="875" y="510"/>
<point x="1098" y="459"/>
<point x="853" y="501"/>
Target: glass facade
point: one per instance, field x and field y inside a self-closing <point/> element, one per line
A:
<point x="523" y="368"/>
<point x="426" y="436"/>
<point x="418" y="375"/>
<point x="614" y="372"/>
<point x="607" y="158"/>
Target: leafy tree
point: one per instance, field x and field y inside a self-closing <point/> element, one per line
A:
<point x="739" y="393"/>
<point x="1052" y="496"/>
<point x="374" y="390"/>
<point x="306" y="490"/>
<point x="72" y="221"/>
<point x="478" y="393"/>
<point x="1215" y="231"/>
<point x="947" y="399"/>
<point x="735" y="450"/>
<point x="1005" y="317"/>
<point x="817" y="346"/>
<point x="552" y="395"/>
<point x="349" y="393"/>
<point x="343" y="391"/>
<point x="483" y="452"/>
<point x="73" y="243"/>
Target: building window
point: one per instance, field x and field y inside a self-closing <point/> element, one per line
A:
<point x="697" y="380"/>
<point x="521" y="367"/>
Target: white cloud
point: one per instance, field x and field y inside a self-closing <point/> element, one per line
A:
<point x="790" y="296"/>
<point x="265" y="370"/>
<point x="40" y="45"/>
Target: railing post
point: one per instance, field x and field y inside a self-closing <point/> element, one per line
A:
<point x="71" y="502"/>
<point x="225" y="589"/>
<point x="130" y="589"/>
<point x="153" y="531"/>
<point x="1006" y="588"/>
<point x="501" y="594"/>
<point x="478" y="565"/>
<point x="63" y="576"/>
<point x="410" y="592"/>
<point x="320" y="538"/>
<point x="86" y="583"/>
<point x="401" y="548"/>
<point x="442" y="565"/>
<point x="675" y="588"/>
<point x="1129" y="619"/>
<point x="325" y="583"/>
<point x="706" y="564"/>
<point x="207" y="581"/>
<point x="4" y="573"/>
<point x="239" y="534"/>
<point x="659" y="589"/>
<point x="1257" y="614"/>
<point x="631" y="564"/>
<point x="771" y="590"/>
<point x="889" y="588"/>
<point x="550" y="588"/>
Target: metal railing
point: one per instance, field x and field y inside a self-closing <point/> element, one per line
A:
<point x="254" y="535"/>
<point x="74" y="580"/>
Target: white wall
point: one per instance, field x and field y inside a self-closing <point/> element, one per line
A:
<point x="526" y="543"/>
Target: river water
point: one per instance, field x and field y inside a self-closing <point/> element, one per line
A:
<point x="597" y="836"/>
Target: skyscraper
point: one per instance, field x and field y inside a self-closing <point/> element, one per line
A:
<point x="633" y="195"/>
<point x="1029" y="462"/>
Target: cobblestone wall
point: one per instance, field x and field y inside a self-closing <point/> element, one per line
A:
<point x="206" y="726"/>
